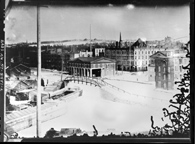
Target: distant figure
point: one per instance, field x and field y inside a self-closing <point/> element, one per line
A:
<point x="47" y="81"/>
<point x="15" y="135"/>
<point x="95" y="131"/>
<point x="50" y="133"/>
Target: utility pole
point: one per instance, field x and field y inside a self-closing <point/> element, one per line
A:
<point x="38" y="112"/>
<point x="62" y="66"/>
<point x="90" y="39"/>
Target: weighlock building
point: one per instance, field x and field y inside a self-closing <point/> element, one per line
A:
<point x="92" y="66"/>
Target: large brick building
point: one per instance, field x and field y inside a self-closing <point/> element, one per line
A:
<point x="91" y="66"/>
<point x="123" y="56"/>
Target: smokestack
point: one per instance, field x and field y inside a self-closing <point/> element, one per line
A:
<point x="120" y="39"/>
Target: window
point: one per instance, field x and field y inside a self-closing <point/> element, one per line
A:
<point x="180" y="67"/>
<point x="135" y="57"/>
<point x="146" y="57"/>
<point x="138" y="57"/>
<point x="169" y="69"/>
<point x="164" y="77"/>
<point x="165" y="86"/>
<point x="148" y="52"/>
<point x="169" y="77"/>
<point x="164" y="69"/>
<point x="180" y="61"/>
<point x="159" y="83"/>
<point x="176" y="76"/>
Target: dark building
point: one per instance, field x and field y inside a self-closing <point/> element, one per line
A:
<point x="164" y="70"/>
<point x="51" y="61"/>
<point x="124" y="56"/>
<point x="92" y="66"/>
<point x="168" y="67"/>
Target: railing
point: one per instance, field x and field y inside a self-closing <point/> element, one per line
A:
<point x="83" y="79"/>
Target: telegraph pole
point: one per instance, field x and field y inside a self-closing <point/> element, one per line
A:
<point x="62" y="64"/>
<point x="90" y="38"/>
<point x="38" y="112"/>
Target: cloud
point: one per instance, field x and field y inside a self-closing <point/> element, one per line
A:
<point x="130" y="6"/>
<point x="11" y="22"/>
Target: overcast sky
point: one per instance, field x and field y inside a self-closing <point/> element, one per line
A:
<point x="65" y="23"/>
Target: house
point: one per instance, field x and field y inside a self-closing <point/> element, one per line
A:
<point x="18" y="70"/>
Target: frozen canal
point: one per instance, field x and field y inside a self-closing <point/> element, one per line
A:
<point x="109" y="109"/>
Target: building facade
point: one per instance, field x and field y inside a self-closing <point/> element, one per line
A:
<point x="144" y="49"/>
<point x="92" y="66"/>
<point x="123" y="57"/>
<point x="99" y="52"/>
<point x="85" y="54"/>
<point x="168" y="68"/>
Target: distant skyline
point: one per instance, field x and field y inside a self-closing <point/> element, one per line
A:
<point x="68" y="22"/>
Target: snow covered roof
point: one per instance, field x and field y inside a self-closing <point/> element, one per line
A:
<point x="18" y="70"/>
<point x="92" y="59"/>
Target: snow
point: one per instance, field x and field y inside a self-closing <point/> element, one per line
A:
<point x="110" y="109"/>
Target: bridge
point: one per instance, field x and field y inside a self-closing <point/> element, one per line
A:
<point x="102" y="84"/>
<point x="92" y="81"/>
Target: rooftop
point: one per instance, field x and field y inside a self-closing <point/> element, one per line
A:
<point x="91" y="59"/>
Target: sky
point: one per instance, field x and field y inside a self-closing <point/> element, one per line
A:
<point x="68" y="22"/>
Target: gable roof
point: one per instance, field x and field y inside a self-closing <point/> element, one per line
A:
<point x="19" y="70"/>
<point x="159" y="54"/>
<point x="139" y="43"/>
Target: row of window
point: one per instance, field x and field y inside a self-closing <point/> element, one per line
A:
<point x="141" y="62"/>
<point x="118" y="52"/>
<point x="146" y="52"/>
<point x="162" y="69"/>
<point x="164" y="85"/>
<point x="92" y="65"/>
<point x="168" y="76"/>
<point x="103" y="65"/>
<point x="79" y="65"/>
<point x="141" y="57"/>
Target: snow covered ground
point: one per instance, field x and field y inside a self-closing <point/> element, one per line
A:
<point x="111" y="110"/>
